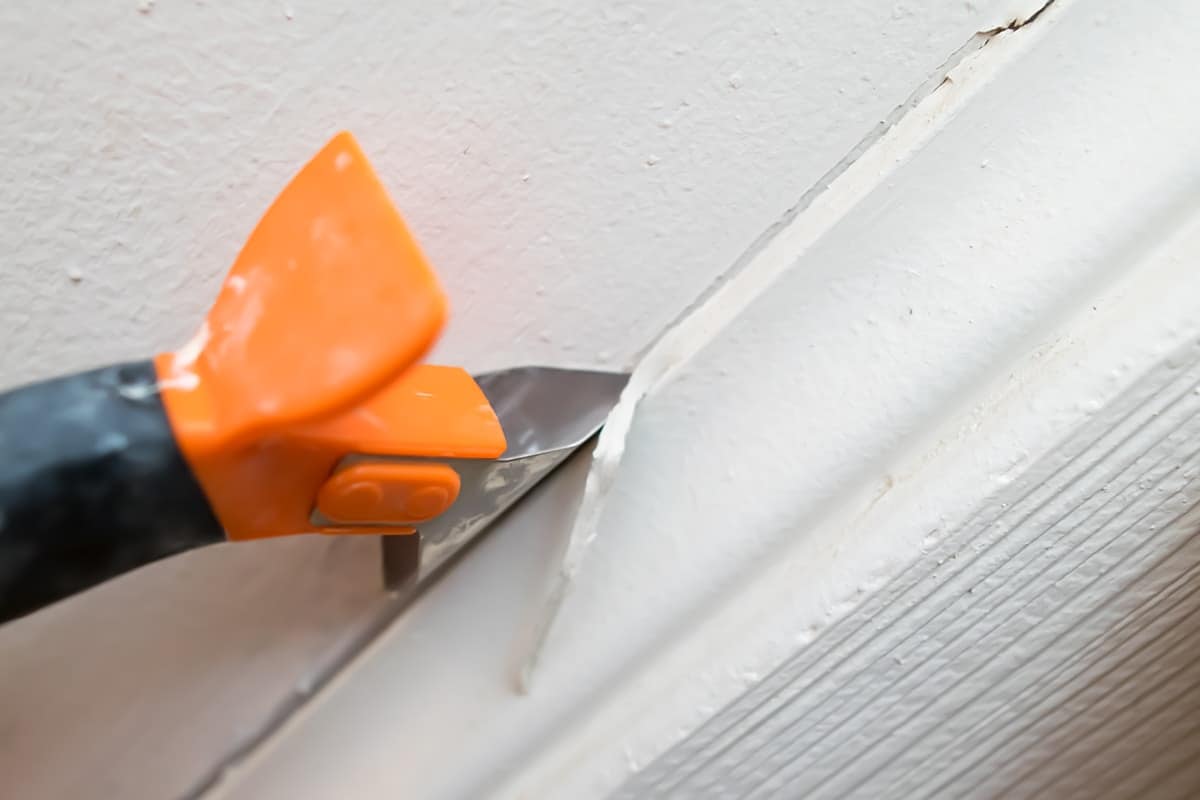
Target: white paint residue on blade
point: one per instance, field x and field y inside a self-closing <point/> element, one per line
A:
<point x="871" y="163"/>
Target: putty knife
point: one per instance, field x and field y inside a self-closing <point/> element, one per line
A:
<point x="298" y="408"/>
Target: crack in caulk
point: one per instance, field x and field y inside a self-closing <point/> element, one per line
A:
<point x="1017" y="24"/>
<point x="895" y="139"/>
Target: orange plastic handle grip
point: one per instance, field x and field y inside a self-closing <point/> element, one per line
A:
<point x="329" y="303"/>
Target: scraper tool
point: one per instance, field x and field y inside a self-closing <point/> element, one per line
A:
<point x="299" y="407"/>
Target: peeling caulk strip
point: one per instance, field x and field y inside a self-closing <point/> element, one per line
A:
<point x="884" y="150"/>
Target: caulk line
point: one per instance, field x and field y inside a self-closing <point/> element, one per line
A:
<point x="878" y="155"/>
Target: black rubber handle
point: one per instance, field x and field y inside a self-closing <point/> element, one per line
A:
<point x="92" y="484"/>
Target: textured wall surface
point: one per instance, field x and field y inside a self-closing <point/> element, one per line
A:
<point x="578" y="174"/>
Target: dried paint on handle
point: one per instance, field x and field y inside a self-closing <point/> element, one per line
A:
<point x="92" y="485"/>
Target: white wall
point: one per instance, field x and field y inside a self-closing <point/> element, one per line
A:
<point x="578" y="177"/>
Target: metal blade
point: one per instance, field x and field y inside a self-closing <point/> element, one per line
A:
<point x="546" y="414"/>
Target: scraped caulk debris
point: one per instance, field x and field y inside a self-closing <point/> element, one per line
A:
<point x="673" y="349"/>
